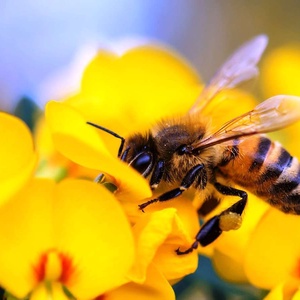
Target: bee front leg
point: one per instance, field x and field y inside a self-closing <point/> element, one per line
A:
<point x="229" y="219"/>
<point x="197" y="172"/>
<point x="157" y="174"/>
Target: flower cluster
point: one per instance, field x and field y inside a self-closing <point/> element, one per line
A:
<point x="72" y="237"/>
<point x="67" y="236"/>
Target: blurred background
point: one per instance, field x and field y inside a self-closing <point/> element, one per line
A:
<point x="42" y="40"/>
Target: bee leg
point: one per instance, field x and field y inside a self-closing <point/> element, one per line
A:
<point x="229" y="219"/>
<point x="196" y="172"/>
<point x="157" y="174"/>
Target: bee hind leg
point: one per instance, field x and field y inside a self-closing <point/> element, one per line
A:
<point x="229" y="219"/>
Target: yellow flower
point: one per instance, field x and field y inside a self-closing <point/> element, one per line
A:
<point x="287" y="290"/>
<point x="272" y="256"/>
<point x="158" y="233"/>
<point x="73" y="235"/>
<point x="17" y="156"/>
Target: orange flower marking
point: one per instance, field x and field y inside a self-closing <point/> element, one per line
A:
<point x="67" y="267"/>
<point x="296" y="271"/>
<point x="39" y="269"/>
<point x="101" y="297"/>
<point x="54" y="266"/>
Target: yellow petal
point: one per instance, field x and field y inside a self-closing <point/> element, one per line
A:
<point x="158" y="234"/>
<point x="40" y="292"/>
<point x="52" y="291"/>
<point x="185" y="228"/>
<point x="135" y="90"/>
<point x="291" y="289"/>
<point x="288" y="290"/>
<point x="296" y="296"/>
<point x="25" y="233"/>
<point x="52" y="164"/>
<point x="93" y="231"/>
<point x="229" y="248"/>
<point x="150" y="232"/>
<point x="173" y="266"/>
<point x="17" y="156"/>
<point x="82" y="144"/>
<point x="276" y="293"/>
<point x="228" y="267"/>
<point x="273" y="252"/>
<point x="280" y="74"/>
<point x="155" y="287"/>
<point x="280" y="71"/>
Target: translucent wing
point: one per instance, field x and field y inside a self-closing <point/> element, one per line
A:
<point x="275" y="113"/>
<point x="241" y="66"/>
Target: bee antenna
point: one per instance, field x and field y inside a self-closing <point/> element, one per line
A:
<point x="112" y="133"/>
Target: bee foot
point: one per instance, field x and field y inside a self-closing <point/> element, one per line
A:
<point x="187" y="251"/>
<point x="144" y="205"/>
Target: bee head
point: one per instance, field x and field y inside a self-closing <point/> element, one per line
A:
<point x="139" y="152"/>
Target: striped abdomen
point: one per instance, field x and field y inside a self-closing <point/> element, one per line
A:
<point x="266" y="169"/>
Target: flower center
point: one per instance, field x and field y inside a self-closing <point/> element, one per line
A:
<point x="54" y="266"/>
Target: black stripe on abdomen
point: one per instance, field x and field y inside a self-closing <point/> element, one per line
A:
<point x="261" y="154"/>
<point x="287" y="185"/>
<point x="285" y="191"/>
<point x="274" y="169"/>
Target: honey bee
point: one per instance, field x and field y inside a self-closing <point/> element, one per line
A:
<point x="184" y="153"/>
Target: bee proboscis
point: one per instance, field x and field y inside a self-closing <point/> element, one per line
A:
<point x="182" y="151"/>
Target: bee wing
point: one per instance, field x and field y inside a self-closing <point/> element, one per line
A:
<point x="239" y="67"/>
<point x="273" y="114"/>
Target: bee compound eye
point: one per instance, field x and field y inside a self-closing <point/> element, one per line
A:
<point x="142" y="162"/>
